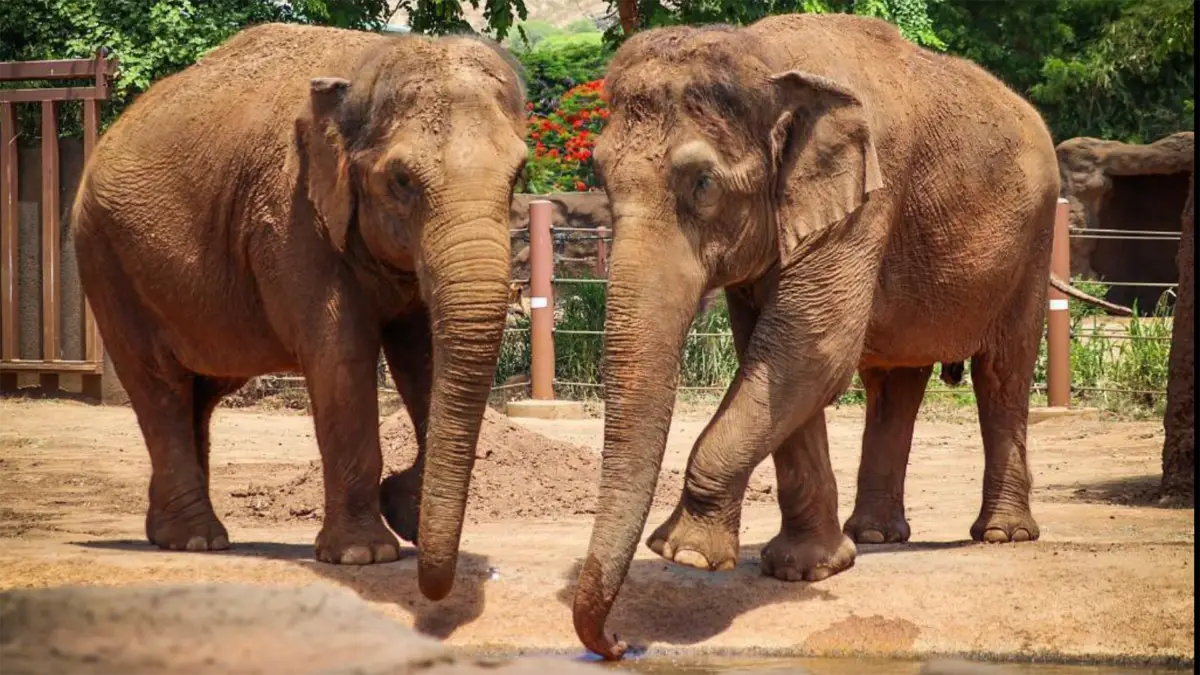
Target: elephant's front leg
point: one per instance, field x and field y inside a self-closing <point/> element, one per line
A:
<point x="774" y="403"/>
<point x="341" y="377"/>
<point x="408" y="348"/>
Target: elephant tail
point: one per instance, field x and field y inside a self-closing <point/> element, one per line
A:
<point x="1070" y="290"/>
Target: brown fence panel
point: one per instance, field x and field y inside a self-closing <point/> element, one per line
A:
<point x="47" y="327"/>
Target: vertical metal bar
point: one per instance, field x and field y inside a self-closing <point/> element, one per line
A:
<point x="1058" y="348"/>
<point x="51" y="350"/>
<point x="92" y="350"/>
<point x="541" y="301"/>
<point x="601" y="253"/>
<point x="9" y="231"/>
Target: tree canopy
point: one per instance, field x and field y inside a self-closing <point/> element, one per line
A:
<point x="1118" y="69"/>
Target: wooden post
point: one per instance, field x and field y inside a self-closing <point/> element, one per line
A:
<point x="51" y="279"/>
<point x="1058" y="347"/>
<point x="9" y="232"/>
<point x="601" y="268"/>
<point x="541" y="301"/>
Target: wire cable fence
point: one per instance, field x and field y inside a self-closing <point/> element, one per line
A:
<point x="1113" y="362"/>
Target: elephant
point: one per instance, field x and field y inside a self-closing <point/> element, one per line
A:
<point x="848" y="190"/>
<point x="299" y="200"/>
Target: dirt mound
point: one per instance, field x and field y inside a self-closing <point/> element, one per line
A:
<point x="518" y="474"/>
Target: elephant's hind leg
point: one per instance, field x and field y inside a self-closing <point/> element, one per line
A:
<point x="408" y="347"/>
<point x="1002" y="380"/>
<point x="162" y="394"/>
<point x="893" y="400"/>
<point x="810" y="546"/>
<point x="207" y="393"/>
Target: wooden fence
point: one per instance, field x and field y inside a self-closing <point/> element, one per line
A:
<point x="32" y="340"/>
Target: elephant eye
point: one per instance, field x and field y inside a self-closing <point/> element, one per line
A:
<point x="403" y="187"/>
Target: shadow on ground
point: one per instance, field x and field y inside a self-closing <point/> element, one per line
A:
<point x="914" y="547"/>
<point x="662" y="602"/>
<point x="391" y="583"/>
<point x="1126" y="491"/>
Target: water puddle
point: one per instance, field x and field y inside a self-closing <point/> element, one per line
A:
<point x="790" y="666"/>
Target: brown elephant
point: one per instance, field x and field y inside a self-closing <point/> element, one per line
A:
<point x="299" y="199"/>
<point x="849" y="191"/>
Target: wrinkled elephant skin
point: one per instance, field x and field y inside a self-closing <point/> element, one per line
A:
<point x="867" y="206"/>
<point x="301" y="199"/>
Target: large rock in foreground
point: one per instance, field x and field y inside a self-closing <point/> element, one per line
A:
<point x="226" y="629"/>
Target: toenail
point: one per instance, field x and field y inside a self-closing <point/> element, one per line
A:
<point x="197" y="543"/>
<point x="356" y="555"/>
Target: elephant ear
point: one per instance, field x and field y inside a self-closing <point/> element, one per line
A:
<point x="328" y="174"/>
<point x="824" y="155"/>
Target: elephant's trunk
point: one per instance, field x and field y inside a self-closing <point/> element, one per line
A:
<point x="466" y="270"/>
<point x="655" y="283"/>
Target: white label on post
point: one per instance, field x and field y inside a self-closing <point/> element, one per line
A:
<point x="1058" y="305"/>
<point x="537" y="303"/>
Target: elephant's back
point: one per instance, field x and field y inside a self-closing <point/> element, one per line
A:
<point x="248" y="89"/>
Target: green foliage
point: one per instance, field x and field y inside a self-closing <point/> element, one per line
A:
<point x="560" y="144"/>
<point x="910" y="16"/>
<point x="441" y="17"/>
<point x="558" y="63"/>
<point x="1136" y="82"/>
<point x="1120" y="69"/>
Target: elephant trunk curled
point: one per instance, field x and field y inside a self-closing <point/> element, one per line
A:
<point x="466" y="274"/>
<point x="645" y="334"/>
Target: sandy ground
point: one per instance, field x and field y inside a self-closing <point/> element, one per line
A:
<point x="1111" y="580"/>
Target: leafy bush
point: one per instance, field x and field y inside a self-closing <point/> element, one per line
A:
<point x="557" y="64"/>
<point x="561" y="142"/>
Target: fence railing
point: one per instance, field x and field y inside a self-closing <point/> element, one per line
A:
<point x="1058" y="337"/>
<point x="46" y="361"/>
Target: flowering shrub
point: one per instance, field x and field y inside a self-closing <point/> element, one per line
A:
<point x="560" y="144"/>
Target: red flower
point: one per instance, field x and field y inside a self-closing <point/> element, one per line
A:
<point x="584" y="154"/>
<point x="577" y="123"/>
<point x="580" y="186"/>
<point x="553" y="153"/>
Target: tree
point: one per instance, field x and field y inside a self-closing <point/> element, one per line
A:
<point x="1179" y="446"/>
<point x="1135" y="82"/>
<point x="154" y="38"/>
<point x="910" y="16"/>
<point x="1111" y="69"/>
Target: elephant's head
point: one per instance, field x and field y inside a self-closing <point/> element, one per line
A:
<point x="410" y="163"/>
<point x="719" y="163"/>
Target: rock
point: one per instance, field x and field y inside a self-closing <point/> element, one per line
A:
<point x="223" y="628"/>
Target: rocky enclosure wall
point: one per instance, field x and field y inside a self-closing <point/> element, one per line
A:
<point x="1119" y="186"/>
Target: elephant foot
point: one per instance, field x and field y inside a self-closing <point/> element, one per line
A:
<point x="357" y="543"/>
<point x="1002" y="527"/>
<point x="806" y="557"/>
<point x="877" y="524"/>
<point x="685" y="540"/>
<point x="172" y="532"/>
<point x="400" y="502"/>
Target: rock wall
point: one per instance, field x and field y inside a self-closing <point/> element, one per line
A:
<point x="1119" y="186"/>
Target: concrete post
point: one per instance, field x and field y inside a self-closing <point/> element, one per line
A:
<point x="541" y="301"/>
<point x="1058" y="348"/>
